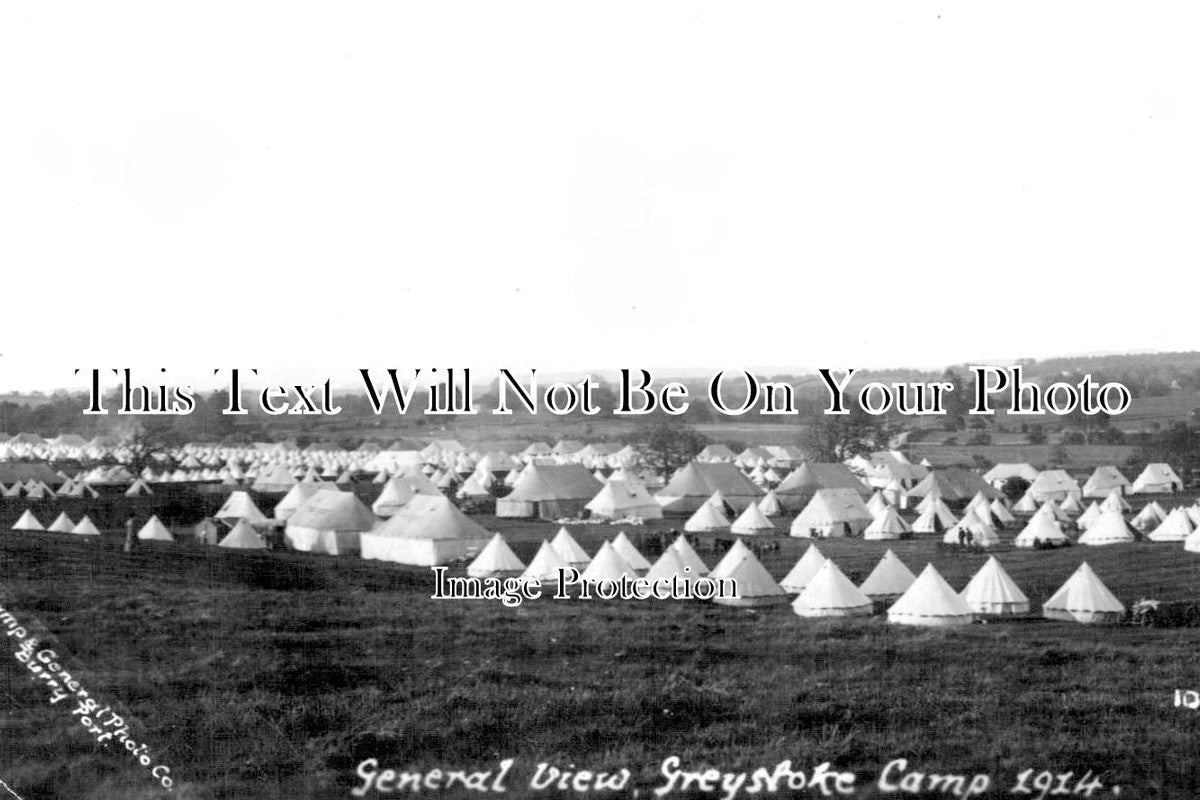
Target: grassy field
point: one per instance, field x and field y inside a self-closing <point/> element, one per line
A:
<point x="274" y="675"/>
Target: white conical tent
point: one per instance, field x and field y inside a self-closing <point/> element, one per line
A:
<point x="607" y="565"/>
<point x="155" y="531"/>
<point x="1041" y="529"/>
<point x="36" y="490"/>
<point x="831" y="594"/>
<point x="991" y="591"/>
<point x="934" y="496"/>
<point x="974" y="531"/>
<point x="243" y="537"/>
<point x="627" y="551"/>
<point x="1175" y="528"/>
<point x="983" y="510"/>
<point x="85" y="527"/>
<point x="718" y="501"/>
<point x="832" y="512"/>
<point x="1192" y="542"/>
<point x="83" y="490"/>
<point x="982" y="497"/>
<point x="569" y="549"/>
<point x="936" y="518"/>
<point x="689" y="556"/>
<point x="1084" y="598"/>
<point x="751" y="583"/>
<point x="1027" y="504"/>
<point x="546" y="566"/>
<point x="1116" y="502"/>
<point x="887" y="524"/>
<point x="890" y="578"/>
<point x="931" y="601"/>
<point x="1089" y="516"/>
<point x="1072" y="505"/>
<point x="298" y="495"/>
<point x="496" y="560"/>
<point x="982" y="506"/>
<point x="28" y="522"/>
<point x="707" y="518"/>
<point x="1108" y="528"/>
<point x="1150" y="517"/>
<point x="473" y="488"/>
<point x="1050" y="507"/>
<point x="138" y="488"/>
<point x="1001" y="513"/>
<point x="751" y="522"/>
<point x="729" y="560"/>
<point x="895" y="493"/>
<point x="799" y="576"/>
<point x="62" y="524"/>
<point x="670" y="567"/>
<point x="877" y="504"/>
<point x="769" y="505"/>
<point x="239" y="506"/>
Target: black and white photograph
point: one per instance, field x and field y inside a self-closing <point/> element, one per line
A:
<point x="648" y="401"/>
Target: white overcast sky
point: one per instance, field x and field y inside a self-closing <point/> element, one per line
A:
<point x="311" y="188"/>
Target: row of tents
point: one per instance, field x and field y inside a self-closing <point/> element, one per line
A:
<point x="427" y="531"/>
<point x="840" y="512"/>
<point x="152" y="530"/>
<point x="423" y="527"/>
<point x="1057" y="484"/>
<point x="557" y="491"/>
<point x="879" y="470"/>
<point x="821" y="588"/>
<point x="325" y="459"/>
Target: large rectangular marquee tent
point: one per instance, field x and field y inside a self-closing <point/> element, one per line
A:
<point x="549" y="492"/>
<point x="692" y="485"/>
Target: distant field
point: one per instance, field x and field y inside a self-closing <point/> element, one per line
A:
<point x="1146" y="411"/>
<point x="1007" y="445"/>
<point x="1082" y="457"/>
<point x="274" y="675"/>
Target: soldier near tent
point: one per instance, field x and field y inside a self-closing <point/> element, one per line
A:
<point x="130" y="534"/>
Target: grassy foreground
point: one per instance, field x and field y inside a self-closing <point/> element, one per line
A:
<point x="275" y="675"/>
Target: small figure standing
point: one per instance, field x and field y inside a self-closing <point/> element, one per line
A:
<point x="130" y="535"/>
